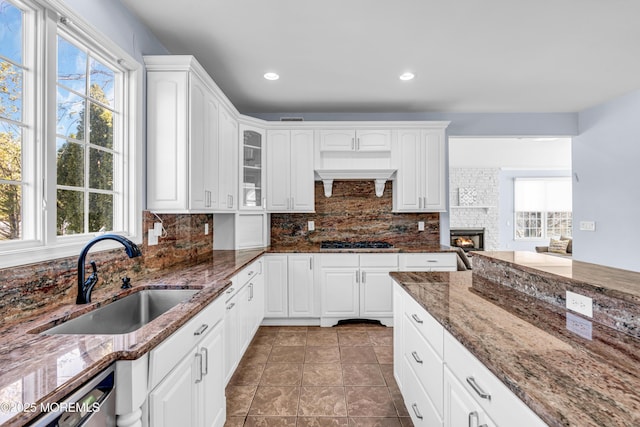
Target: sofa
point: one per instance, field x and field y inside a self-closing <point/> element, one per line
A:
<point x="562" y="247"/>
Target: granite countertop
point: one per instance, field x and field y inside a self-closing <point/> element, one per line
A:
<point x="38" y="368"/>
<point x="310" y="247"/>
<point x="566" y="379"/>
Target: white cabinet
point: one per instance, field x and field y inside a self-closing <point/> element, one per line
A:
<point x="355" y="140"/>
<point x="252" y="160"/>
<point x="300" y="286"/>
<point x="228" y="162"/>
<point x="461" y="410"/>
<point x="441" y="382"/>
<point x="355" y="286"/>
<point x="420" y="182"/>
<point x="440" y="261"/>
<point x="182" y="135"/>
<point x="290" y="185"/>
<point x="186" y="376"/>
<point x="275" y="280"/>
<point x="244" y="301"/>
<point x="290" y="286"/>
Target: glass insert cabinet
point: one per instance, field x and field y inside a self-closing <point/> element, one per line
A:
<point x="251" y="168"/>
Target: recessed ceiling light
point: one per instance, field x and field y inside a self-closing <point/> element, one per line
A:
<point x="271" y="76"/>
<point x="407" y="76"/>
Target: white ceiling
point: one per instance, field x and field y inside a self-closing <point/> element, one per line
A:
<point x="346" y="55"/>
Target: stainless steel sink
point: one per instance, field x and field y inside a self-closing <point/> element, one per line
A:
<point x="124" y="315"/>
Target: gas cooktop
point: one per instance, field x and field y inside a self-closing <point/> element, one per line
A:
<point x="335" y="245"/>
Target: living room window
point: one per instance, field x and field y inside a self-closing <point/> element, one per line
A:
<point x="542" y="208"/>
<point x="69" y="115"/>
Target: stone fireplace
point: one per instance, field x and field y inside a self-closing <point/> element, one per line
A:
<point x="469" y="239"/>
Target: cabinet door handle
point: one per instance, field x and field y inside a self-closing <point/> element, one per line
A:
<point x="201" y="329"/>
<point x="230" y="306"/>
<point x="357" y="276"/>
<point x="416" y="411"/>
<point x="293" y="203"/>
<point x="416" y="318"/>
<point x="310" y="263"/>
<point x="205" y="361"/>
<point x="358" y="144"/>
<point x="199" y="362"/>
<point x="474" y="385"/>
<point x="419" y="202"/>
<point x="353" y="144"/>
<point x="473" y="416"/>
<point x="250" y="291"/>
<point x="364" y="277"/>
<point x="416" y="357"/>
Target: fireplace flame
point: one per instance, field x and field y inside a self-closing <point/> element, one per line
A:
<point x="464" y="242"/>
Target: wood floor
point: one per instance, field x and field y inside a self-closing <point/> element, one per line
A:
<point x="320" y="377"/>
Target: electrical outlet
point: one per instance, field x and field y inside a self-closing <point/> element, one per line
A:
<point x="311" y="225"/>
<point x="579" y="326"/>
<point x="206" y="228"/>
<point x="579" y="303"/>
<point x="420" y="225"/>
<point x="153" y="239"/>
<point x="157" y="229"/>
<point x="587" y="226"/>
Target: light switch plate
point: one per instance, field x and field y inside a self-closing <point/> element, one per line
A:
<point x="579" y="303"/>
<point x="206" y="228"/>
<point x="587" y="226"/>
<point x="311" y="225"/>
<point x="157" y="229"/>
<point x="420" y="225"/>
<point x="153" y="239"/>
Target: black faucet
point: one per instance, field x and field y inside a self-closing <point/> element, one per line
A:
<point x="85" y="287"/>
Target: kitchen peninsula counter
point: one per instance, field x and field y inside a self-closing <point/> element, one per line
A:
<point x="566" y="379"/>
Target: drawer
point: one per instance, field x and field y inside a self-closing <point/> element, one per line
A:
<point x="422" y="411"/>
<point x="165" y="356"/>
<point x="500" y="404"/>
<point x="339" y="260"/>
<point x="379" y="260"/>
<point x="425" y="324"/>
<point x="248" y="273"/>
<point x="443" y="261"/>
<point x="426" y="364"/>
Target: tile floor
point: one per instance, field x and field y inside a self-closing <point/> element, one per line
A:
<point x="317" y="377"/>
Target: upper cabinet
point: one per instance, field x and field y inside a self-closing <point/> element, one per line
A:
<point x="355" y="140"/>
<point x="419" y="155"/>
<point x="182" y="134"/>
<point x="227" y="162"/>
<point x="192" y="139"/>
<point x="289" y="166"/>
<point x="252" y="160"/>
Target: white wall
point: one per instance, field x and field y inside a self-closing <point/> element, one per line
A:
<point x="606" y="161"/>
<point x="523" y="153"/>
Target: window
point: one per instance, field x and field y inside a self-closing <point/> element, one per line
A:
<point x="542" y="208"/>
<point x="83" y="178"/>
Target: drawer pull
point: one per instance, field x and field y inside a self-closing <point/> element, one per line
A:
<point x="473" y="415"/>
<point x="416" y="318"/>
<point x="205" y="359"/>
<point x="199" y="363"/>
<point x="230" y="306"/>
<point x="432" y="260"/>
<point x="230" y="290"/>
<point x="474" y="385"/>
<point x="251" y="273"/>
<point x="201" y="329"/>
<point x="416" y="357"/>
<point x="415" y="411"/>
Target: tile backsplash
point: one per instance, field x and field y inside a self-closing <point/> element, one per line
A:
<point x="352" y="213"/>
<point x="33" y="288"/>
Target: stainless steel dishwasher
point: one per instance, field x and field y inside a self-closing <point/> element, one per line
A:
<point x="93" y="404"/>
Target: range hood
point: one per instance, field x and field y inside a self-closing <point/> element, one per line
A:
<point x="379" y="176"/>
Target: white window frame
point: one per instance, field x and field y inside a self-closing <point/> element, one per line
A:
<point x="39" y="166"/>
<point x="544" y="213"/>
